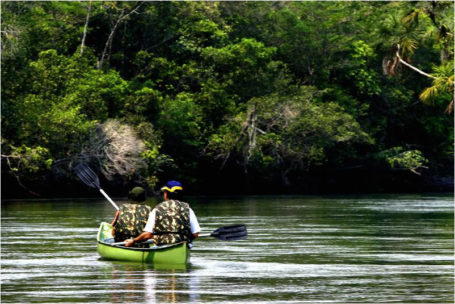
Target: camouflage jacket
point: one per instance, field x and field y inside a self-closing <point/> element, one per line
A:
<point x="131" y="221"/>
<point x="172" y="223"/>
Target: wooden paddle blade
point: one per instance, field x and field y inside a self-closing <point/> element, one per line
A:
<point x="87" y="176"/>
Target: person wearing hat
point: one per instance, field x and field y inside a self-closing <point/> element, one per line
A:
<point x="137" y="195"/>
<point x="170" y="222"/>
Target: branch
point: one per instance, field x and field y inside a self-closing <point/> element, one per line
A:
<point x="116" y="148"/>
<point x="109" y="39"/>
<point x="248" y="128"/>
<point x="19" y="182"/>
<point x="111" y="35"/>
<point x="260" y="131"/>
<point x="10" y="156"/>
<point x="412" y="67"/>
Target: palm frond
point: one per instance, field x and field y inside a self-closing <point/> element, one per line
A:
<point x="428" y="95"/>
<point x="444" y="70"/>
<point x="411" y="19"/>
<point x="408" y="47"/>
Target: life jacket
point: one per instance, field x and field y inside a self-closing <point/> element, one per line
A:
<point x="172" y="223"/>
<point x="131" y="221"/>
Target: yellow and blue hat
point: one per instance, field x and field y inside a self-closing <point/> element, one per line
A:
<point x="172" y="186"/>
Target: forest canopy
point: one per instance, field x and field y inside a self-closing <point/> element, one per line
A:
<point x="228" y="97"/>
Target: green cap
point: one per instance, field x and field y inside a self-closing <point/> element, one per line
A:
<point x="137" y="194"/>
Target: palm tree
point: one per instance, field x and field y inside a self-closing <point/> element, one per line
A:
<point x="442" y="75"/>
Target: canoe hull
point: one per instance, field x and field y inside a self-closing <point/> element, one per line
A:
<point x="170" y="254"/>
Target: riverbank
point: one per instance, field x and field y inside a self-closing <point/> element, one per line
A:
<point x="347" y="181"/>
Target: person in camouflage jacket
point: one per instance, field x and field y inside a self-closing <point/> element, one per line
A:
<point x="131" y="221"/>
<point x="131" y="218"/>
<point x="170" y="222"/>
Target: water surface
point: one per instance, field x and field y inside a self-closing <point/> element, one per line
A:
<point x="300" y="249"/>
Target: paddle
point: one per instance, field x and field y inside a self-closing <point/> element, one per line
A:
<point x="91" y="179"/>
<point x="226" y="233"/>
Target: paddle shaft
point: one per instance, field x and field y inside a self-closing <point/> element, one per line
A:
<point x="123" y="243"/>
<point x="151" y="241"/>
<point x="109" y="199"/>
<point x="227" y="233"/>
<point x="88" y="177"/>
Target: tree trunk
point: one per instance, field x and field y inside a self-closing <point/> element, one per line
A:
<point x="85" y="27"/>
<point x="108" y="45"/>
<point x="109" y="40"/>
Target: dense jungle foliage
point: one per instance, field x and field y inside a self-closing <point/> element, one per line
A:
<point x="228" y="97"/>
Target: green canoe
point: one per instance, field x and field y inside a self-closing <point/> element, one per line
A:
<point x="167" y="254"/>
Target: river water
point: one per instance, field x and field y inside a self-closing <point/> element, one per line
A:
<point x="300" y="249"/>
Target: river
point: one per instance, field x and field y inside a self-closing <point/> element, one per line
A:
<point x="300" y="249"/>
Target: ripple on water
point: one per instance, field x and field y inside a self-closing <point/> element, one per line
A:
<point x="299" y="250"/>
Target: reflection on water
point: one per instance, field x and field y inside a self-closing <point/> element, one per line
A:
<point x="300" y="249"/>
<point x="151" y="283"/>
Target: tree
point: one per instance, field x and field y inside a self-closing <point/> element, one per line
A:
<point x="52" y="120"/>
<point x="123" y="14"/>
<point x="266" y="90"/>
<point x="438" y="27"/>
<point x="115" y="148"/>
<point x="247" y="67"/>
<point x="285" y="133"/>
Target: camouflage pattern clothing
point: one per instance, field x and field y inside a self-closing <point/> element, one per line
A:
<point x="172" y="223"/>
<point x="131" y="221"/>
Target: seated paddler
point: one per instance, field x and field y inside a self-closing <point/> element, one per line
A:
<point x="136" y="197"/>
<point x="170" y="222"/>
<point x="131" y="218"/>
